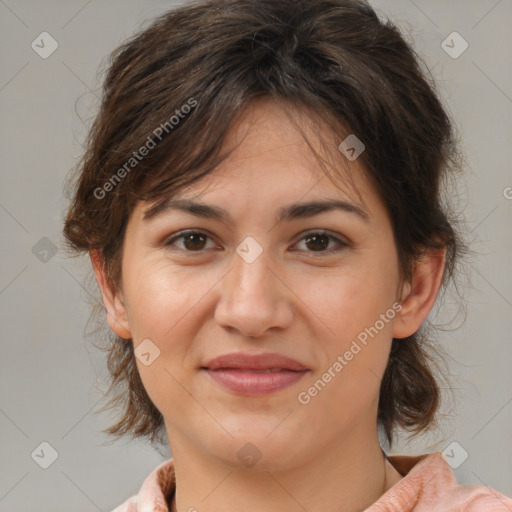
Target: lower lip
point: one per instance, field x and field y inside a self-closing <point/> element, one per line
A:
<point x="255" y="383"/>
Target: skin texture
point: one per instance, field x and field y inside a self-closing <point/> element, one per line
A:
<point x="294" y="299"/>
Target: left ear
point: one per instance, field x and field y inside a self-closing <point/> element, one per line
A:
<point x="419" y="295"/>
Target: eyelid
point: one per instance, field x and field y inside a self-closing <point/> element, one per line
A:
<point x="340" y="240"/>
<point x="169" y="240"/>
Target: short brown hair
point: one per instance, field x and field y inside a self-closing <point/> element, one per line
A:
<point x="335" y="58"/>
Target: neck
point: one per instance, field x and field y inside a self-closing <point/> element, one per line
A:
<point x="346" y="478"/>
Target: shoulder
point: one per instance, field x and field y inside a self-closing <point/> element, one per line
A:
<point x="130" y="505"/>
<point x="429" y="485"/>
<point x="154" y="492"/>
<point x="475" y="498"/>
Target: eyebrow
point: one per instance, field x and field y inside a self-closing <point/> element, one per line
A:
<point x="287" y="213"/>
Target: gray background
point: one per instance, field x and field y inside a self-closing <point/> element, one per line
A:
<point x="52" y="377"/>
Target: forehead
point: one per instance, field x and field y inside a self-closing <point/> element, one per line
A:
<point x="277" y="153"/>
<point x="283" y="136"/>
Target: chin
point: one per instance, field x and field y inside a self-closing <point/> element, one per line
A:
<point x="257" y="446"/>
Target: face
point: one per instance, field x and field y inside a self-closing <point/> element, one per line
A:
<point x="304" y="307"/>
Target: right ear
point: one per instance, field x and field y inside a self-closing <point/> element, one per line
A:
<point x="113" y="302"/>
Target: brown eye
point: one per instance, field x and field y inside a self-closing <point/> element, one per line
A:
<point x="196" y="241"/>
<point x="193" y="241"/>
<point x="318" y="241"/>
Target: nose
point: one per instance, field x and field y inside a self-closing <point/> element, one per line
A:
<point x="254" y="297"/>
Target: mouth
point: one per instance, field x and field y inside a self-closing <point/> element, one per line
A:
<point x="255" y="375"/>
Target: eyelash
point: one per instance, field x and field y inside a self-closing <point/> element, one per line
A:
<point x="182" y="234"/>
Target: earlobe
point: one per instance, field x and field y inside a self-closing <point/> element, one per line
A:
<point x="419" y="295"/>
<point x="113" y="302"/>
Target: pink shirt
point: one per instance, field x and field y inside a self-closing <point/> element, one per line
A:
<point x="428" y="485"/>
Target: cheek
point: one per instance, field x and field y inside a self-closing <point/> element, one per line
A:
<point x="162" y="297"/>
<point x="167" y="306"/>
<point x="347" y="302"/>
<point x="161" y="308"/>
<point x="356" y="314"/>
<point x="359" y="317"/>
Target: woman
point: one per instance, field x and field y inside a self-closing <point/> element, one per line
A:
<point x="261" y="199"/>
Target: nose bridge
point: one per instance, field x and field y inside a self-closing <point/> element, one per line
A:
<point x="251" y="272"/>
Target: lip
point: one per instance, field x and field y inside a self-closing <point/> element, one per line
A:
<point x="255" y="374"/>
